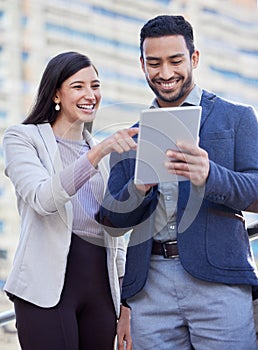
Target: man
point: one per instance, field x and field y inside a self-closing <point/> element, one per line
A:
<point x="191" y="288"/>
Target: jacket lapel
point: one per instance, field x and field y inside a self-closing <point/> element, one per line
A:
<point x="189" y="198"/>
<point x="49" y="141"/>
<point x="207" y="102"/>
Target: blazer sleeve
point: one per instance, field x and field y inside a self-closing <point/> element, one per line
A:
<point x="233" y="177"/>
<point x="123" y="206"/>
<point x="30" y="170"/>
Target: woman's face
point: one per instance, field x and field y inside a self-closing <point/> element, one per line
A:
<point x="79" y="96"/>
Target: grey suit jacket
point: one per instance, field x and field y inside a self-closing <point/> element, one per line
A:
<point x="33" y="163"/>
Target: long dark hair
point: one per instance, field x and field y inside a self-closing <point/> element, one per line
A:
<point x="58" y="69"/>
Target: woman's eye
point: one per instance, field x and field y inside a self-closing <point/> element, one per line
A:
<point x="96" y="86"/>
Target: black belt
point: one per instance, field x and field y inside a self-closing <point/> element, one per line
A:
<point x="168" y="249"/>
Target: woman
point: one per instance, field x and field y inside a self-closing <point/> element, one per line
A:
<point x="65" y="277"/>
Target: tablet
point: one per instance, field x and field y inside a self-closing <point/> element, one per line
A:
<point x="159" y="130"/>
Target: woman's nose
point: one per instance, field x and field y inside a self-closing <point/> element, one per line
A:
<point x="89" y="94"/>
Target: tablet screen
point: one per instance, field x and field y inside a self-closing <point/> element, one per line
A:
<point x="159" y="130"/>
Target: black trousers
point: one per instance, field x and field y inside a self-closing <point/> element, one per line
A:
<point x="84" y="319"/>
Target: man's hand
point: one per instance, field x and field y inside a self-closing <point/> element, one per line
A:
<point x="190" y="161"/>
<point x="124" y="329"/>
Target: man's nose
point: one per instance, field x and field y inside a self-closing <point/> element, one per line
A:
<point x="166" y="72"/>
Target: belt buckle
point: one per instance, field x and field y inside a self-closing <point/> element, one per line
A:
<point x="165" y="252"/>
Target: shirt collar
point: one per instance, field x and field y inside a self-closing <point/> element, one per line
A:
<point x="194" y="98"/>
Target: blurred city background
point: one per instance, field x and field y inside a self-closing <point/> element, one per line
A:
<point x="33" y="31"/>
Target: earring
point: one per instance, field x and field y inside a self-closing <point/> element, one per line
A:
<point x="57" y="107"/>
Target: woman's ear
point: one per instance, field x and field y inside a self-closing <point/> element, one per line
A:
<point x="56" y="98"/>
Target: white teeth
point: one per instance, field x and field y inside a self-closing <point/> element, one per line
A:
<point x="168" y="85"/>
<point x="88" y="107"/>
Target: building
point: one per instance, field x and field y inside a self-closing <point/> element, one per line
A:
<point x="32" y="31"/>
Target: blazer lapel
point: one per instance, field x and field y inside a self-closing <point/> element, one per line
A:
<point x="190" y="197"/>
<point x="50" y="143"/>
<point x="49" y="140"/>
<point x="207" y="105"/>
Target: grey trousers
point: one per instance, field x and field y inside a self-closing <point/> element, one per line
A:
<point x="175" y="311"/>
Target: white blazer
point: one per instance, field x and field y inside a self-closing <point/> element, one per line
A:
<point x="33" y="163"/>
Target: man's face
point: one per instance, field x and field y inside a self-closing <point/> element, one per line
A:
<point x="168" y="67"/>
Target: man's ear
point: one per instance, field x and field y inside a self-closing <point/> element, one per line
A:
<point x="195" y="59"/>
<point x="142" y="63"/>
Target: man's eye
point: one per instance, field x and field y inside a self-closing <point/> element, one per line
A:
<point x="153" y="64"/>
<point x="176" y="62"/>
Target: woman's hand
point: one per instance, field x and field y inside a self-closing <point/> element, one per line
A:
<point x="119" y="142"/>
<point x="124" y="339"/>
<point x="145" y="189"/>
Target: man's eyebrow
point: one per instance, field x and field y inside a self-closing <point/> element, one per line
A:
<point x="150" y="58"/>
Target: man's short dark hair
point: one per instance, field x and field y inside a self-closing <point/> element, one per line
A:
<point x="168" y="25"/>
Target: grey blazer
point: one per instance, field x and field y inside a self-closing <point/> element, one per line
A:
<point x="33" y="163"/>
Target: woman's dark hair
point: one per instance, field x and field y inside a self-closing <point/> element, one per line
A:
<point x="168" y="25"/>
<point x="58" y="69"/>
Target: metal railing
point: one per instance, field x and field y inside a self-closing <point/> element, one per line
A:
<point x="252" y="229"/>
<point x="9" y="315"/>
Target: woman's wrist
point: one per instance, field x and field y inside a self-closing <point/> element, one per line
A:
<point x="95" y="155"/>
<point x="124" y="304"/>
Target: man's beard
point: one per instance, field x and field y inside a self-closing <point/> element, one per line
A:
<point x="174" y="97"/>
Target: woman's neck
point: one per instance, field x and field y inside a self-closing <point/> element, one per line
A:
<point x="68" y="131"/>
